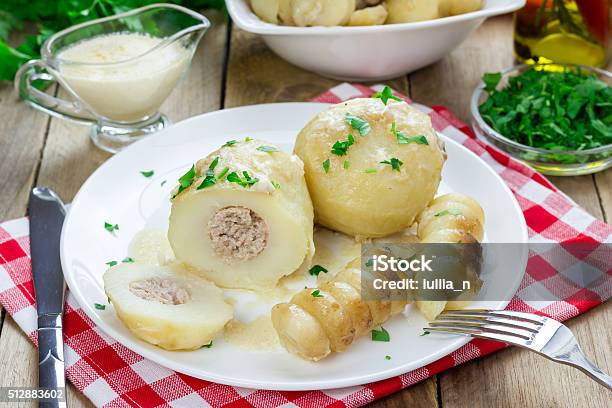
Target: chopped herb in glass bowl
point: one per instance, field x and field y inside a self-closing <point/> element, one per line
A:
<point x="557" y="118"/>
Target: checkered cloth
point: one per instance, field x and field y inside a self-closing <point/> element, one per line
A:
<point x="111" y="375"/>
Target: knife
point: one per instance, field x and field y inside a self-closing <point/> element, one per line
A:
<point x="47" y="213"/>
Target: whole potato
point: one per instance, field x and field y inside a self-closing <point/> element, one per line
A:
<point x="455" y="7"/>
<point x="408" y="11"/>
<point x="357" y="194"/>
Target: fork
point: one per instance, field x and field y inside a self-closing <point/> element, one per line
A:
<point x="537" y="333"/>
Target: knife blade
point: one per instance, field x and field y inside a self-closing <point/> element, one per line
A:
<point x="47" y="212"/>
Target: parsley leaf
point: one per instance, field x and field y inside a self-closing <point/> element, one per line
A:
<point x="163" y="183"/>
<point x="387" y="357"/>
<point x="491" y="80"/>
<point x="230" y="143"/>
<point x="210" y="178"/>
<point x="370" y="171"/>
<point x="316" y="270"/>
<point x="233" y="177"/>
<point x="99" y="306"/>
<point x="148" y="174"/>
<point x="275" y="184"/>
<point x="361" y="125"/>
<point x="326" y="166"/>
<point x="186" y="180"/>
<point x="316" y="293"/>
<point x="403" y="139"/>
<point x="267" y="149"/>
<point x="425" y="333"/>
<point x="222" y="173"/>
<point x="111" y="227"/>
<point x="128" y="260"/>
<point x="341" y="148"/>
<point x="111" y="263"/>
<point x="385" y="95"/>
<point x="451" y="211"/>
<point x="346" y="164"/>
<point x="380" y="335"/>
<point x="209" y="345"/>
<point x="394" y="163"/>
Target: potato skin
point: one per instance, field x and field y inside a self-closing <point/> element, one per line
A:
<point x="370" y="204"/>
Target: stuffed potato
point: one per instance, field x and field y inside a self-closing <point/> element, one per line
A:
<point x="370" y="183"/>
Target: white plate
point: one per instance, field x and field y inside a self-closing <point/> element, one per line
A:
<point x="118" y="193"/>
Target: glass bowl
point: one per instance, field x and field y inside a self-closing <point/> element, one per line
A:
<point x="554" y="163"/>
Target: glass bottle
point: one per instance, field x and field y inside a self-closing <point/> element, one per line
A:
<point x="563" y="31"/>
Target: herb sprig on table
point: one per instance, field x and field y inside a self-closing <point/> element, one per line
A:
<point x="53" y="16"/>
<point x="558" y="111"/>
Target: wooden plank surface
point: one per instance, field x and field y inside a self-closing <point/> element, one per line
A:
<point x="69" y="158"/>
<point x="60" y="155"/>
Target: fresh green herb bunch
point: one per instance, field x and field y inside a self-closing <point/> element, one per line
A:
<point x="557" y="111"/>
<point x="51" y="16"/>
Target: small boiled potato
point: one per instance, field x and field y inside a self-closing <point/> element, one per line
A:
<point x="370" y="198"/>
<point x="267" y="10"/>
<point x="299" y="332"/>
<point x="329" y="312"/>
<point x="350" y="299"/>
<point x="369" y="16"/>
<point x="321" y="12"/>
<point x="285" y="13"/>
<point x="431" y="308"/>
<point x="408" y="11"/>
<point x="454" y="7"/>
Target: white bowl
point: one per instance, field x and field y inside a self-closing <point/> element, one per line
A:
<point x="367" y="53"/>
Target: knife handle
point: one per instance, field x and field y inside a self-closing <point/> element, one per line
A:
<point x="51" y="358"/>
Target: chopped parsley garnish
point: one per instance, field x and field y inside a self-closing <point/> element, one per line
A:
<point x="316" y="293"/>
<point x="128" y="260"/>
<point x="267" y="149"/>
<point x="451" y="211"/>
<point x="186" y="180"/>
<point x="361" y="125"/>
<point x="247" y="139"/>
<point x="222" y="173"/>
<point x="230" y="143"/>
<point x="394" y="163"/>
<point x="209" y="345"/>
<point x="385" y="95"/>
<point x="275" y="184"/>
<point x="425" y="333"/>
<point x="380" y="335"/>
<point x="346" y="164"/>
<point x="148" y="174"/>
<point x="111" y="263"/>
<point x="403" y="139"/>
<point x="99" y="306"/>
<point x="370" y="171"/>
<point x="369" y="263"/>
<point x="316" y="270"/>
<point x="248" y="181"/>
<point x="210" y="178"/>
<point x="163" y="183"/>
<point x="111" y="227"/>
<point x="341" y="148"/>
<point x="556" y="111"/>
<point x="387" y="357"/>
<point x="326" y="166"/>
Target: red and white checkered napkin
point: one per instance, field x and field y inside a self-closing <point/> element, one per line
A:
<point x="111" y="375"/>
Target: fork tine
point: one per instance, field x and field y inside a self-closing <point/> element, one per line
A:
<point x="505" y="338"/>
<point x="526" y="317"/>
<point x="480" y="328"/>
<point x="488" y="319"/>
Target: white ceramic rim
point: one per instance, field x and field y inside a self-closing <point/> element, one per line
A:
<point x="130" y="342"/>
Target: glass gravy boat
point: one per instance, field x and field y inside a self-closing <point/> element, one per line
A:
<point x="117" y="71"/>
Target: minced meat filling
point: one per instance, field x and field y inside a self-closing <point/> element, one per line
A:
<point x="160" y="290"/>
<point x="237" y="234"/>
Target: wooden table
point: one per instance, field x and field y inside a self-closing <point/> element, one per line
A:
<point x="233" y="68"/>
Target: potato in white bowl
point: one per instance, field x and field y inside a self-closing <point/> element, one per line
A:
<point x="380" y="182"/>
